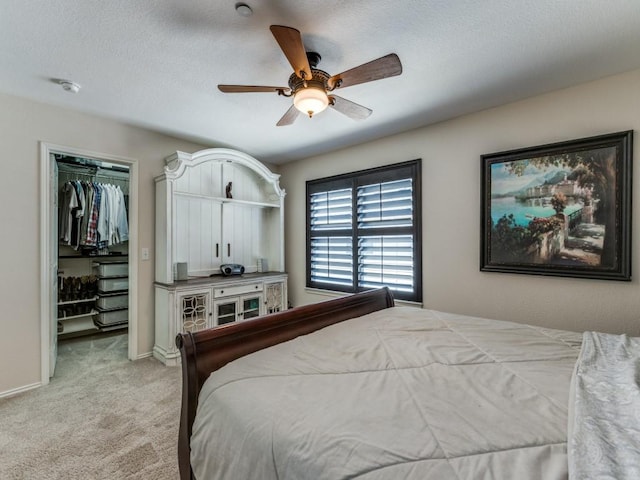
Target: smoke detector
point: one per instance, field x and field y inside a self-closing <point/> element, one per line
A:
<point x="243" y="9"/>
<point x="69" y="86"/>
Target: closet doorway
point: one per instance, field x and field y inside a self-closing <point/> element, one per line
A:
<point x="88" y="284"/>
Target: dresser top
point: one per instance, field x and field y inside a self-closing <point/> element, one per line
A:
<point x="221" y="280"/>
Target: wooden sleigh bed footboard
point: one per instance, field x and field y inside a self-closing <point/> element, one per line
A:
<point x="206" y="351"/>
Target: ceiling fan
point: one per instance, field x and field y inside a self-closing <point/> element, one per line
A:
<point x="311" y="88"/>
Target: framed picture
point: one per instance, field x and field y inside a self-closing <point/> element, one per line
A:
<point x="562" y="209"/>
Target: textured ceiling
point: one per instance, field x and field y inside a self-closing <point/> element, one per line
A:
<point x="157" y="63"/>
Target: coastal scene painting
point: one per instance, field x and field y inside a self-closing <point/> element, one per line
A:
<point x="559" y="209"/>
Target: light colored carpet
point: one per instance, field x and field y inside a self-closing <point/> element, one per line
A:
<point x="101" y="417"/>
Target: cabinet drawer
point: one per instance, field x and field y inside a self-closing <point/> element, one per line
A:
<point x="237" y="290"/>
<point x="111" y="301"/>
<point x="113" y="284"/>
<point x="114" y="269"/>
<point x="111" y="317"/>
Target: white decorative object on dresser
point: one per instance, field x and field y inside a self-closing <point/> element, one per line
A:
<point x="216" y="207"/>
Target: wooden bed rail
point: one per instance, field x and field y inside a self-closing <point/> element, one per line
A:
<point x="208" y="350"/>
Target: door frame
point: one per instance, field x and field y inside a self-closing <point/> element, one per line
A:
<point x="47" y="249"/>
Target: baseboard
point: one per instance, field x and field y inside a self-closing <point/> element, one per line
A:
<point x="169" y="359"/>
<point x="167" y="362"/>
<point x="144" y="355"/>
<point x="15" y="391"/>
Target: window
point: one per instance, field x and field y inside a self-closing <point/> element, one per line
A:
<point x="363" y="231"/>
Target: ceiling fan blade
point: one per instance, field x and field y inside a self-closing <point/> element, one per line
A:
<point x="349" y="108"/>
<point x="249" y="88"/>
<point x="290" y="41"/>
<point x="289" y="117"/>
<point x="383" y="67"/>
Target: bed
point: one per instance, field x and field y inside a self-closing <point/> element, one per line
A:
<point x="357" y="387"/>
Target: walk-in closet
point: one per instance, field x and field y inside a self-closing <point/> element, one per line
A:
<point x="92" y="231"/>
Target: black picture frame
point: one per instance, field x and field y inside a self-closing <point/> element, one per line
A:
<point x="561" y="209"/>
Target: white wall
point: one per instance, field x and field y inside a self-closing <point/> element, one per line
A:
<point x="450" y="153"/>
<point x="23" y="124"/>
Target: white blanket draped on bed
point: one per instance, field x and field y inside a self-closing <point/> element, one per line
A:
<point x="402" y="393"/>
<point x="604" y="440"/>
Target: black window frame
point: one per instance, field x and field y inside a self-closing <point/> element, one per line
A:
<point x="353" y="180"/>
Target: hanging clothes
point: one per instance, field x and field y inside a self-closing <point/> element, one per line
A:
<point x="92" y="229"/>
<point x="68" y="205"/>
<point x="92" y="215"/>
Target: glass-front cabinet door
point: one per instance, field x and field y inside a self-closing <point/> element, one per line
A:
<point x="237" y="309"/>
<point x="250" y="307"/>
<point x="226" y="311"/>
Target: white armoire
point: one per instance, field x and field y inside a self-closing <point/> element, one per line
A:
<point x="216" y="207"/>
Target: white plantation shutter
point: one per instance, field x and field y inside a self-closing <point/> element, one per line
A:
<point x="331" y="210"/>
<point x="386" y="205"/>
<point x="331" y="255"/>
<point x="386" y="260"/>
<point x="363" y="231"/>
<point x="332" y="260"/>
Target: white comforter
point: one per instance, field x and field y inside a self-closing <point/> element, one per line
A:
<point x="402" y="393"/>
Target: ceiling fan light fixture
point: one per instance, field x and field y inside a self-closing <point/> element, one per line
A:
<point x="311" y="100"/>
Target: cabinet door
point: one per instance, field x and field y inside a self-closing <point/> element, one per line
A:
<point x="194" y="310"/>
<point x="226" y="311"/>
<point x="241" y="232"/>
<point x="250" y="307"/>
<point x="197" y="234"/>
<point x="236" y="309"/>
<point x="275" y="297"/>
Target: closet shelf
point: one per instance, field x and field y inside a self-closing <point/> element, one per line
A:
<point x="95" y="256"/>
<point x="69" y="331"/>
<point x="82" y="300"/>
<point x="109" y="328"/>
<point x="88" y="314"/>
<point x="254" y="203"/>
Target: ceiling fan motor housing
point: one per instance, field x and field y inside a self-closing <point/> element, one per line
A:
<point x="314" y="59"/>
